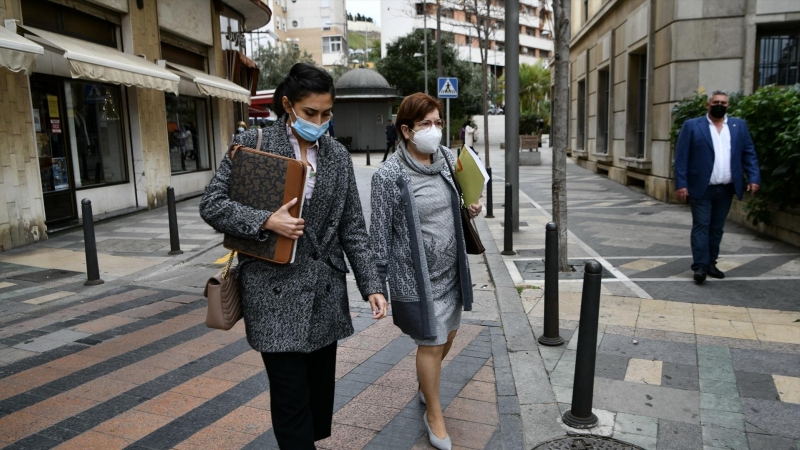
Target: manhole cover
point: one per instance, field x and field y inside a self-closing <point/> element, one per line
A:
<point x="44" y="276"/>
<point x="521" y="223"/>
<point x="586" y="443"/>
<point x="533" y="269"/>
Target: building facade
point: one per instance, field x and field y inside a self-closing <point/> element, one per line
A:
<point x="400" y="17"/>
<point x="316" y="26"/>
<point x="631" y="61"/>
<point x="120" y="99"/>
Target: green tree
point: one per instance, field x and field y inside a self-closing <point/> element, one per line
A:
<point x="275" y="62"/>
<point x="407" y="73"/>
<point x="534" y="85"/>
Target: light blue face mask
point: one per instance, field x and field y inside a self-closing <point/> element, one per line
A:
<point x="309" y="130"/>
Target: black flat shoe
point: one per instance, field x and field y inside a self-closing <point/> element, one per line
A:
<point x="713" y="272"/>
<point x="700" y="275"/>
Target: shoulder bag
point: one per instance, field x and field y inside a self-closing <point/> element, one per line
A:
<point x="224" y="299"/>
<point x="471" y="236"/>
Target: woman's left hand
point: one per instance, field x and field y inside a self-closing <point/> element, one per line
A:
<point x="379" y="306"/>
<point x="475" y="209"/>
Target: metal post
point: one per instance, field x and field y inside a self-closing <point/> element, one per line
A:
<point x="512" y="102"/>
<point x="448" y="123"/>
<point x="489" y="203"/>
<point x="174" y="239"/>
<point x="368" y="155"/>
<point x="90" y="246"/>
<point x="425" y="41"/>
<point x="508" y="228"/>
<point x="581" y="416"/>
<point x="550" y="335"/>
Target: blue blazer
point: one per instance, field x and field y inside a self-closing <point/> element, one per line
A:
<point x="694" y="156"/>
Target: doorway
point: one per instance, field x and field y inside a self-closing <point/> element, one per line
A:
<point x="52" y="145"/>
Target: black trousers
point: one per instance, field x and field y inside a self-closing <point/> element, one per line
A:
<point x="389" y="147"/>
<point x="301" y="389"/>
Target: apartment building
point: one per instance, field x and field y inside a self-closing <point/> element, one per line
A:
<point x="316" y="26"/>
<point x="400" y="17"/>
<point x="632" y="60"/>
<point x="114" y="101"/>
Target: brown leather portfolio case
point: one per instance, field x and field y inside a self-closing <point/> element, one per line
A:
<point x="266" y="181"/>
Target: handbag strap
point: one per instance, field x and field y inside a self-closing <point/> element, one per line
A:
<point x="228" y="265"/>
<point x="455" y="181"/>
<point x="258" y="142"/>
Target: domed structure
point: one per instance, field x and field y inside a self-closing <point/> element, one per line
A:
<point x="363" y="83"/>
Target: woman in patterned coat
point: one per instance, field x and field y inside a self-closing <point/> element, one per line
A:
<point x="418" y="245"/>
<point x="294" y="314"/>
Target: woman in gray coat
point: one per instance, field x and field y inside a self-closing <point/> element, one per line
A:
<point x="294" y="314"/>
<point x="418" y="245"/>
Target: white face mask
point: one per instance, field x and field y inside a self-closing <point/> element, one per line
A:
<point x="427" y="141"/>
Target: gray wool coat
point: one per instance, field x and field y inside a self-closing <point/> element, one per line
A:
<point x="303" y="306"/>
<point x="399" y="252"/>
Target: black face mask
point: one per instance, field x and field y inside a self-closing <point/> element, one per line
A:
<point x="718" y="111"/>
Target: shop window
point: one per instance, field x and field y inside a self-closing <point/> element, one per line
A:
<point x="187" y="133"/>
<point x="603" y="109"/>
<point x="779" y="59"/>
<point x="636" y="105"/>
<point x="96" y="141"/>
<point x="581" y="125"/>
<point x="64" y="20"/>
<point x="331" y="44"/>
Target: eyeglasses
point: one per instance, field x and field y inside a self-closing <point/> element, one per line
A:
<point x="426" y="124"/>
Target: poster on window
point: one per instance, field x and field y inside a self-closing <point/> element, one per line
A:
<point x="55" y="126"/>
<point x="60" y="174"/>
<point x="379" y="119"/>
<point x="52" y="106"/>
<point x="37" y="121"/>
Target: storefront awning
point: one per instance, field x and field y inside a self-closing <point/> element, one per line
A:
<point x="96" y="62"/>
<point x="211" y="85"/>
<point x="17" y="53"/>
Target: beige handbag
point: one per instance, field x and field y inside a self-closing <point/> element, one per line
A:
<point x="224" y="299"/>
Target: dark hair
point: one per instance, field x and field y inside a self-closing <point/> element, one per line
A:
<point x="303" y="80"/>
<point x="413" y="109"/>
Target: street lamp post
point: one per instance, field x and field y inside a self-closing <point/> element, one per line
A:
<point x="425" y="43"/>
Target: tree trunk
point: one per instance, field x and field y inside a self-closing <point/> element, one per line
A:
<point x="561" y="9"/>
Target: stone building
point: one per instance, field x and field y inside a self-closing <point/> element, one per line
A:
<point x="364" y="101"/>
<point x="632" y="60"/>
<point x="114" y="101"/>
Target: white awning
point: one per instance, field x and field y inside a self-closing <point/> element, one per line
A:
<point x="16" y="52"/>
<point x="97" y="62"/>
<point x="211" y="85"/>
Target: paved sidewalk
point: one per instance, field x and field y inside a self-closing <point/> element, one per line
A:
<point x="679" y="366"/>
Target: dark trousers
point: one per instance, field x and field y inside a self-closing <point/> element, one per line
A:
<point x="389" y="146"/>
<point x="301" y="387"/>
<point x="708" y="220"/>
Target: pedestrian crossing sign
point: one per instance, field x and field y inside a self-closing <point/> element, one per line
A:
<point x="448" y="87"/>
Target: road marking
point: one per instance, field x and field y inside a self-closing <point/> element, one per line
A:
<point x="49" y="297"/>
<point x="714" y="280"/>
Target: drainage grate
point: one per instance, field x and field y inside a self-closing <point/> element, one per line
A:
<point x="586" y="443"/>
<point x="43" y="276"/>
<point x="533" y="269"/>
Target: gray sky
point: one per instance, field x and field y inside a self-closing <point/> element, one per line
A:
<point x="369" y="8"/>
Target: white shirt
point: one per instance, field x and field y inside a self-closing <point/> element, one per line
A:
<point x="311" y="156"/>
<point x="722" y="152"/>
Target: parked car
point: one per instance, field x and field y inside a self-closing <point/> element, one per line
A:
<point x="495" y="110"/>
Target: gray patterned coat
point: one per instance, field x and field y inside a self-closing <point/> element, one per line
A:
<point x="399" y="252"/>
<point x="303" y="306"/>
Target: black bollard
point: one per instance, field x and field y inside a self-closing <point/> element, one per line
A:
<point x="90" y="245"/>
<point x="508" y="227"/>
<point x="368" y="155"/>
<point x="489" y="205"/>
<point x="580" y="415"/>
<point x="174" y="239"/>
<point x="550" y="335"/>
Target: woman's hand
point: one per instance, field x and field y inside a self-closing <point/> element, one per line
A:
<point x="379" y="306"/>
<point x="283" y="223"/>
<point x="475" y="209"/>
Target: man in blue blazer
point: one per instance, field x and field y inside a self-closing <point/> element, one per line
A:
<point x="712" y="158"/>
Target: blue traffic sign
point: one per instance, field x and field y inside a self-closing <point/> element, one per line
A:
<point x="448" y="87"/>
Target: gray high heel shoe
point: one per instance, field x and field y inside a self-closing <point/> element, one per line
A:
<point x="441" y="444"/>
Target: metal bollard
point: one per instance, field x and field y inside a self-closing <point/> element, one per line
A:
<point x="508" y="227"/>
<point x="174" y="239"/>
<point x="368" y="155"/>
<point x="489" y="205"/>
<point x="580" y="415"/>
<point x="550" y="335"/>
<point x="90" y="245"/>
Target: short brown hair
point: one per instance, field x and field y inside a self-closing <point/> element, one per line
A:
<point x="413" y="109"/>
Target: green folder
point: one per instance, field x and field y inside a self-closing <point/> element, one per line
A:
<point x="471" y="174"/>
